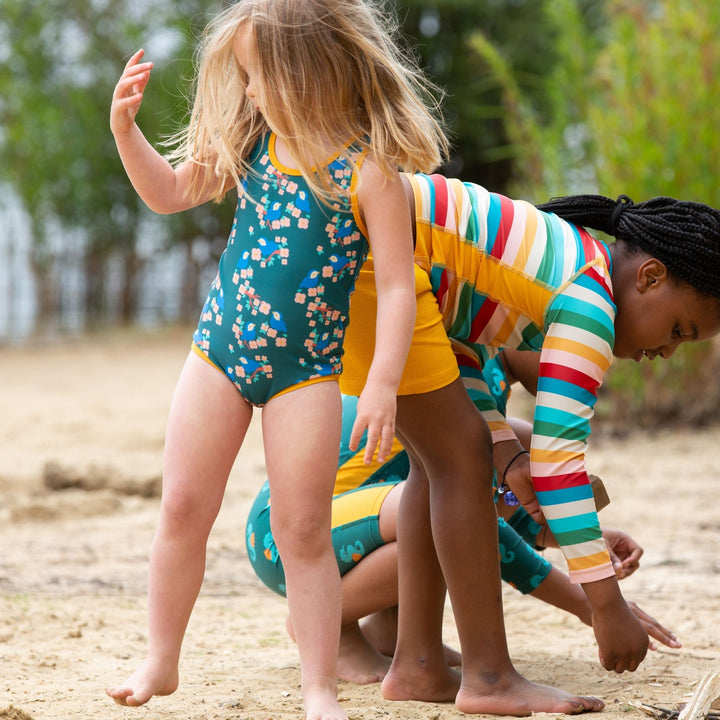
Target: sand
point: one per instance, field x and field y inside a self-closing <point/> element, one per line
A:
<point x="82" y="433"/>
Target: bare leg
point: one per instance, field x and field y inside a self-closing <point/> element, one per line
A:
<point x="301" y="432"/>
<point x="380" y="631"/>
<point x="450" y="439"/>
<point x="380" y="618"/>
<point x="370" y="585"/>
<point x="207" y="424"/>
<point x="418" y="670"/>
<point x="370" y="591"/>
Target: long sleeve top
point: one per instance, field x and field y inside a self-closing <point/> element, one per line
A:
<point x="508" y="275"/>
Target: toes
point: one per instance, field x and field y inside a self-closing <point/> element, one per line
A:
<point x="589" y="703"/>
<point x="119" y="695"/>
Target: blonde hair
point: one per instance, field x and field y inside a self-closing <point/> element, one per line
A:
<point x="329" y="74"/>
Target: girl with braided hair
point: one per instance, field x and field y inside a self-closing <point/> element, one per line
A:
<point x="505" y="274"/>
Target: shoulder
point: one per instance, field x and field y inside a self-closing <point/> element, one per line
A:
<point x="374" y="179"/>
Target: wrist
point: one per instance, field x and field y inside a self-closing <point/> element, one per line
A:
<point x="511" y="461"/>
<point x="503" y="451"/>
<point x="381" y="383"/>
<point x="604" y="595"/>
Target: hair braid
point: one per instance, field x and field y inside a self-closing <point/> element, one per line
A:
<point x="683" y="235"/>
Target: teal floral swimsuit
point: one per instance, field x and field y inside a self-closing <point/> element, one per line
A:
<point x="276" y="312"/>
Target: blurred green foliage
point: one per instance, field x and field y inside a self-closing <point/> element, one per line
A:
<point x="628" y="107"/>
<point x="62" y="60"/>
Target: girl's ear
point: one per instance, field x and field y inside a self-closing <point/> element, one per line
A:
<point x="651" y="273"/>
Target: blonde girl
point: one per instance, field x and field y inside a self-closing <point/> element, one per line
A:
<point x="309" y="110"/>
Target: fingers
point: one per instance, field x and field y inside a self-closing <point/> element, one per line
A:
<point x="133" y="81"/>
<point x="379" y="437"/>
<point x="128" y="93"/>
<point x="622" y="639"/>
<point x="372" y="441"/>
<point x="632" y="562"/>
<point x="655" y="629"/>
<point x="376" y="415"/>
<point x="520" y="481"/>
<point x="620" y="665"/>
<point x="624" y="552"/>
<point x="134" y="77"/>
<point x="625" y="568"/>
<point x="386" y="440"/>
<point x="662" y="634"/>
<point x="358" y="429"/>
<point x="134" y="58"/>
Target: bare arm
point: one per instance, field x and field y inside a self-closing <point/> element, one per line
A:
<point x="387" y="217"/>
<point x="160" y="186"/>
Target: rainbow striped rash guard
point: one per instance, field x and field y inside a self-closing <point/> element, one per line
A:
<point x="508" y="275"/>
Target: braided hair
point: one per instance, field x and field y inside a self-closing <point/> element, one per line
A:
<point x="683" y="235"/>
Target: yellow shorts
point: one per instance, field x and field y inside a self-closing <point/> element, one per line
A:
<point x="431" y="363"/>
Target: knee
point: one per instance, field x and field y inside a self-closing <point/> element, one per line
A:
<point x="298" y="533"/>
<point x="183" y="510"/>
<point x="465" y="458"/>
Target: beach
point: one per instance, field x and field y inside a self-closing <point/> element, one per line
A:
<point x="80" y="467"/>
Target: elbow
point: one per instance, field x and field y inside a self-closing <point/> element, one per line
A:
<point x="160" y="207"/>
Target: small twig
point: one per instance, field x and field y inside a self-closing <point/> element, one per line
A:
<point x="664" y="713"/>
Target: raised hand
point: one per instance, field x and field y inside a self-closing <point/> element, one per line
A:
<point x="128" y="93"/>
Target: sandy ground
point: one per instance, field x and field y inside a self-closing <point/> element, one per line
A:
<point x="73" y="563"/>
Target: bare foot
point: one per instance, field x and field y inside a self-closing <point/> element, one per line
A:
<point x="514" y="695"/>
<point x="321" y="703"/>
<point x="149" y="679"/>
<point x="358" y="662"/>
<point x="420" y="681"/>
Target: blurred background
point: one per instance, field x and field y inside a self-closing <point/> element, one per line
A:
<point x="543" y="98"/>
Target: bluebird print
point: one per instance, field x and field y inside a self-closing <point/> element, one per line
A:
<point x="338" y="263"/>
<point x="346" y="229"/>
<point x="273" y="230"/>
<point x="277" y="322"/>
<point x="311" y="280"/>
<point x="250" y="367"/>
<point x="274" y="212"/>
<point x="322" y="344"/>
<point x="248" y="334"/>
<point x="243" y="261"/>
<point x="302" y="202"/>
<point x="268" y="248"/>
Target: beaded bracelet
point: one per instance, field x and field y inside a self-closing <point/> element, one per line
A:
<point x="503" y="489"/>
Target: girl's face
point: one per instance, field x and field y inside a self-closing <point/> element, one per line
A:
<point x="658" y="313"/>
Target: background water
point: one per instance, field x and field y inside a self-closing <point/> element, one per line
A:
<point x="158" y="282"/>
